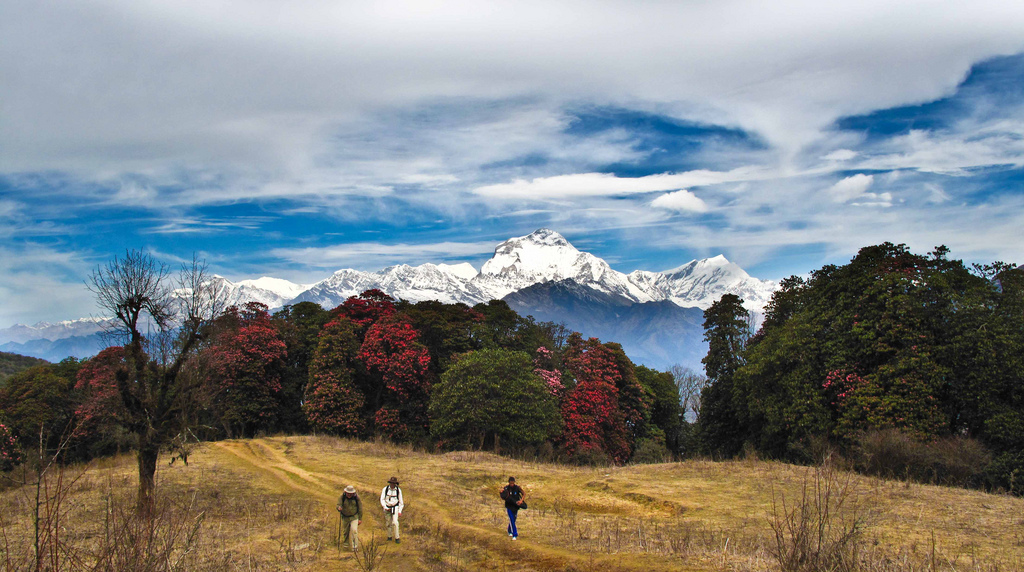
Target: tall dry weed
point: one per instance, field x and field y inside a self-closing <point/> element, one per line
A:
<point x="820" y="529"/>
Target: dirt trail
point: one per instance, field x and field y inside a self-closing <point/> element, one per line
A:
<point x="268" y="456"/>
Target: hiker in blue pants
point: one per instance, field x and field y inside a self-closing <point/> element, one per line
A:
<point x="513" y="496"/>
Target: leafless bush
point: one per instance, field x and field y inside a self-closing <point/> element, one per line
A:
<point x="371" y="554"/>
<point x="166" y="541"/>
<point x="822" y="528"/>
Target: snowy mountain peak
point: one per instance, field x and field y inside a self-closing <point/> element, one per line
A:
<point x="274" y="292"/>
<point x="283" y="288"/>
<point x="714" y="266"/>
<point x="465" y="270"/>
<point x="543" y="254"/>
<point x="546" y="237"/>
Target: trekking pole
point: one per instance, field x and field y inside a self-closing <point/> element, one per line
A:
<point x="339" y="532"/>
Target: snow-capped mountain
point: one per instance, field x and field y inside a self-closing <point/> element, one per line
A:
<point x="447" y="283"/>
<point x="540" y="257"/>
<point x="274" y="292"/>
<point x="546" y="256"/>
<point x="551" y="276"/>
<point x="20" y="333"/>
<point x="699" y="283"/>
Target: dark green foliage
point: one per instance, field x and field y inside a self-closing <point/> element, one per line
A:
<point x="503" y="328"/>
<point x="333" y="404"/>
<point x="666" y="410"/>
<point x="492" y="396"/>
<point x="726" y="331"/>
<point x="11" y="364"/>
<point x="892" y="341"/>
<point x="298" y="326"/>
<point x="445" y="329"/>
<point x="39" y="403"/>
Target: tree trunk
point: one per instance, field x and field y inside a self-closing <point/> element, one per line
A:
<point x="148" y="455"/>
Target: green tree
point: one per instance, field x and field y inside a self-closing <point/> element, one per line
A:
<point x="726" y="331"/>
<point x="666" y="409"/>
<point x="40" y="402"/>
<point x="298" y="325"/>
<point x="333" y="404"/>
<point x="493" y="396"/>
<point x="446" y="330"/>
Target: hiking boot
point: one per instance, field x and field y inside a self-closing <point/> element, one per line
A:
<point x="398" y="541"/>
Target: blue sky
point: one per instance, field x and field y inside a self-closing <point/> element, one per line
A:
<point x="294" y="141"/>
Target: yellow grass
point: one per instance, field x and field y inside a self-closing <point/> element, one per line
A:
<point x="268" y="504"/>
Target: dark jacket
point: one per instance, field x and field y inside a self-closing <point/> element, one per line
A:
<point x="512" y="494"/>
<point x="350" y="506"/>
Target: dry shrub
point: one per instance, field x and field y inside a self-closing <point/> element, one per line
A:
<point x="822" y="528"/>
<point x="168" y="541"/>
<point x="370" y="555"/>
<point x="650" y="451"/>
<point x="891" y="453"/>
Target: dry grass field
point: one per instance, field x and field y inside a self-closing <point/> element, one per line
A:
<point x="268" y="504"/>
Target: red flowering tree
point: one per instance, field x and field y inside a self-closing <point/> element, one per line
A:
<point x="399" y="368"/>
<point x="366" y="309"/>
<point x="101" y="412"/>
<point x="10" y="455"/>
<point x="593" y="420"/>
<point x="246" y="366"/>
<point x="333" y="404"/>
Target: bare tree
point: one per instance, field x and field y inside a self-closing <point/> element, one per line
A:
<point x="690" y="383"/>
<point x="140" y="293"/>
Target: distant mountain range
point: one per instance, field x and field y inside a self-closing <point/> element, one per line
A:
<point x="656" y="316"/>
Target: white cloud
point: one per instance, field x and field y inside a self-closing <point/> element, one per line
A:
<point x="851" y="187"/>
<point x="873" y="200"/>
<point x="376" y="255"/>
<point x="681" y="201"/>
<point x="968" y="146"/>
<point x="42" y="283"/>
<point x="124" y="84"/>
<point x="840" y="155"/>
<point x="605" y="184"/>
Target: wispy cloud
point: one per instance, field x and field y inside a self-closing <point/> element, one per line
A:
<point x="605" y="184"/>
<point x="441" y="129"/>
<point x="376" y="255"/>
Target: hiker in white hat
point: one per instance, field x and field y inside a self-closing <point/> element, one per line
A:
<point x="350" y="509"/>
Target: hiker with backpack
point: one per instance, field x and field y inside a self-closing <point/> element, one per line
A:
<point x="515" y="501"/>
<point x="393" y="503"/>
<point x="350" y="509"/>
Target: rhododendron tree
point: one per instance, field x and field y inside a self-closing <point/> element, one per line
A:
<point x="366" y="309"/>
<point x="10" y="455"/>
<point x="101" y="412"/>
<point x="398" y="367"/>
<point x="333" y="404"/>
<point x="543" y="366"/>
<point x="246" y="364"/>
<point x="590" y="410"/>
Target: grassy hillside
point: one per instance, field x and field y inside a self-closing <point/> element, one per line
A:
<point x="11" y="364"/>
<point x="267" y="504"/>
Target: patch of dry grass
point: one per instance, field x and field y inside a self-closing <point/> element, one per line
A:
<point x="267" y="504"/>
